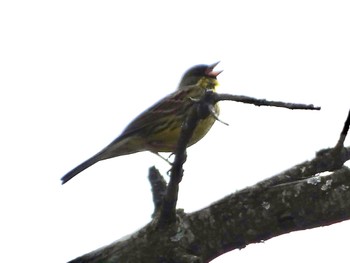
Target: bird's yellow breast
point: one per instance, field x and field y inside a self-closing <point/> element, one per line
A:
<point x="205" y="125"/>
<point x="167" y="139"/>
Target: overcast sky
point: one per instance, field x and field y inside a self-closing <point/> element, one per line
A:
<point x="75" y="73"/>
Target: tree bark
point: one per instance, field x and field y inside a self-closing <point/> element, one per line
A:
<point x="271" y="208"/>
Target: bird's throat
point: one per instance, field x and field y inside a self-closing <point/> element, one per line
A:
<point x="208" y="83"/>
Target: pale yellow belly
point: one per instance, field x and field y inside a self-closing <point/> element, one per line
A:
<point x="167" y="140"/>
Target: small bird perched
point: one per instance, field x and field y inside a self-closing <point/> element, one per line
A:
<point x="157" y="129"/>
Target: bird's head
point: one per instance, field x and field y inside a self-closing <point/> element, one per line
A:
<point x="194" y="74"/>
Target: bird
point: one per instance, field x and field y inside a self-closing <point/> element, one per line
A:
<point x="157" y="129"/>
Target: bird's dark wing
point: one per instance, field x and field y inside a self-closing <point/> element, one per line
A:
<point x="169" y="105"/>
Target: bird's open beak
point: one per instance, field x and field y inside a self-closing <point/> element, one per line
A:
<point x="210" y="71"/>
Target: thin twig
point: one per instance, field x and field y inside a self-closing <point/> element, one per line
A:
<point x="344" y="133"/>
<point x="263" y="102"/>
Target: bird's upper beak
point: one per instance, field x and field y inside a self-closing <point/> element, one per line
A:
<point x="210" y="71"/>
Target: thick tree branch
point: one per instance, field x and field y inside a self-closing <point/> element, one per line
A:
<point x="245" y="217"/>
<point x="326" y="160"/>
<point x="254" y="215"/>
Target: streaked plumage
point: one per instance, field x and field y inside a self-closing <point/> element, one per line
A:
<point x="157" y="129"/>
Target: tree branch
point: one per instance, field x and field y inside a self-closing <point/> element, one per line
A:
<point x="253" y="216"/>
<point x="263" y="102"/>
<point x="159" y="186"/>
<point x="344" y="132"/>
<point x="200" y="110"/>
<point x="326" y="160"/>
<point x="242" y="218"/>
<point x="293" y="200"/>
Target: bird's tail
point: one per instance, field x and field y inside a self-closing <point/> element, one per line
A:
<point x="120" y="146"/>
<point x="81" y="167"/>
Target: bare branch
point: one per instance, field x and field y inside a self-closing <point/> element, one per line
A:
<point x="325" y="160"/>
<point x="263" y="102"/>
<point x="344" y="132"/>
<point x="158" y="185"/>
<point x="201" y="109"/>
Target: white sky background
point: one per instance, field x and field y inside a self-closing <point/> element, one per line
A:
<point x="74" y="73"/>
